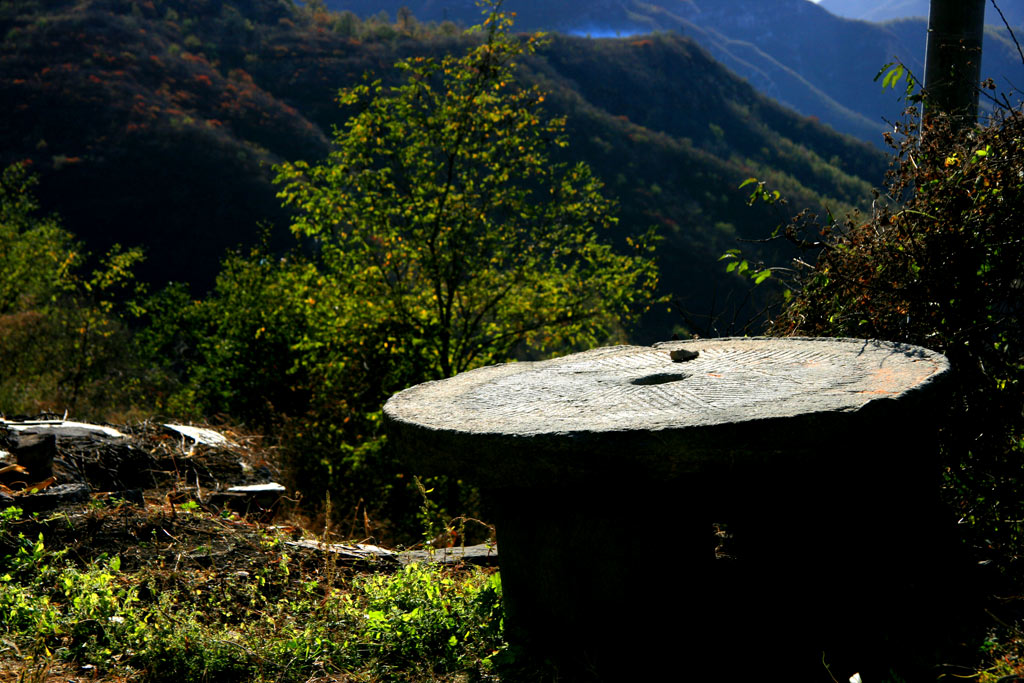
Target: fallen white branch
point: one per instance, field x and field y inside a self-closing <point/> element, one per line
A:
<point x="201" y="435"/>
<point x="57" y="425"/>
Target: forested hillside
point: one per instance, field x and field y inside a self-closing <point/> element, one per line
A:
<point x="155" y="123"/>
<point x="793" y="51"/>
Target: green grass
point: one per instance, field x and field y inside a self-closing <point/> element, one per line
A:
<point x="420" y="623"/>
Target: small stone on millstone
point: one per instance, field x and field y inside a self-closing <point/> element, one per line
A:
<point x="681" y="355"/>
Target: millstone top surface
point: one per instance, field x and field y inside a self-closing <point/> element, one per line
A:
<point x="630" y="388"/>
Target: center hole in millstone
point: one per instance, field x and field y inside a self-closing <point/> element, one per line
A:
<point x="660" y="378"/>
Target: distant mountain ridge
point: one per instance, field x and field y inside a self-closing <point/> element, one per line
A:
<point x="886" y="10"/>
<point x="794" y="51"/>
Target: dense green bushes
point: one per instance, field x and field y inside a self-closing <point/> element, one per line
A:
<point x="62" y="339"/>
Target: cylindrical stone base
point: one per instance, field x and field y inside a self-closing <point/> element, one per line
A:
<point x="826" y="560"/>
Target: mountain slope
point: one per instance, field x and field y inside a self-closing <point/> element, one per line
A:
<point x="157" y="123"/>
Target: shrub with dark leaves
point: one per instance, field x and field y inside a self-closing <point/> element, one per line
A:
<point x="940" y="263"/>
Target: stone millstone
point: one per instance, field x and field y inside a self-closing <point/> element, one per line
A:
<point x="562" y="416"/>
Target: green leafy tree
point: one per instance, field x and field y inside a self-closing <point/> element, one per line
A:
<point x="62" y="337"/>
<point x="452" y="237"/>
